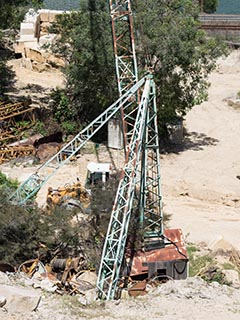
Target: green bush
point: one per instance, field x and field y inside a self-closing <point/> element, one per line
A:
<point x="69" y="127"/>
<point x="7" y="183"/>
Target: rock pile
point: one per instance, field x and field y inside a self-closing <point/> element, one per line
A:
<point x="21" y="294"/>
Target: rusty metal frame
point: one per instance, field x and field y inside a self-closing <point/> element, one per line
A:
<point x="171" y="259"/>
<point x="11" y="152"/>
<point x="124" y="45"/>
<point x="10" y="127"/>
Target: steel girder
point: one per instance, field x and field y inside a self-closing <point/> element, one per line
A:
<point x="33" y="184"/>
<point x="11" y="152"/>
<point x="140" y="173"/>
<point x="150" y="206"/>
<point x="124" y="46"/>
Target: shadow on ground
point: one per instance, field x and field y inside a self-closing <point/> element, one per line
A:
<point x="36" y="95"/>
<point x="191" y="141"/>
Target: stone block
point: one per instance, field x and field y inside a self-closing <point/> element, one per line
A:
<point x="46" y="39"/>
<point x="53" y="14"/>
<point x="34" y="55"/>
<point x="27" y="29"/>
<point x="44" y="15"/>
<point x="39" y="67"/>
<point x="26" y="63"/>
<point x="44" y="27"/>
<point x="48" y="285"/>
<point x="89" y="297"/>
<point x="55" y="61"/>
<point x="4" y="278"/>
<point x="231" y="276"/>
<point x="43" y="34"/>
<point x="88" y="276"/>
<point x="32" y="45"/>
<point x="27" y="38"/>
<point x="19" y="47"/>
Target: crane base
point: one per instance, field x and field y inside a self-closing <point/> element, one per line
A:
<point x="170" y="261"/>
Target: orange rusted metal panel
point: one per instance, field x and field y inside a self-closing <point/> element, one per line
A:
<point x="171" y="258"/>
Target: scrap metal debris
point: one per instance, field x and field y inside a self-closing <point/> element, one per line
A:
<point x="14" y="119"/>
<point x="11" y="152"/>
<point x="63" y="276"/>
<point x="169" y="261"/>
<point x="64" y="196"/>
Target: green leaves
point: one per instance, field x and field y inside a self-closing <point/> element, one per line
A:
<point x="86" y="42"/>
<point x="169" y="42"/>
<point x="210" y="6"/>
<point x="179" y="53"/>
<point x="7" y="183"/>
<point x="12" y="11"/>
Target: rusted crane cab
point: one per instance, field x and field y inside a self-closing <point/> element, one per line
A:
<point x="168" y="262"/>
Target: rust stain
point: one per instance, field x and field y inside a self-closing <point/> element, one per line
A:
<point x="174" y="251"/>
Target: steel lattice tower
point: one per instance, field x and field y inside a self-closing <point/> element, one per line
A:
<point x="123" y="43"/>
<point x="139" y="188"/>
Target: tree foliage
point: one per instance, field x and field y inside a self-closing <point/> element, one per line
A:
<point x="210" y="6"/>
<point x="6" y="183"/>
<point x="28" y="232"/>
<point x="6" y="75"/>
<point x="86" y="42"/>
<point x="180" y="55"/>
<point x="170" y="44"/>
<point x="13" y="10"/>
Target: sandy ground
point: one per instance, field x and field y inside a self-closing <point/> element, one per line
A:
<point x="47" y="79"/>
<point x="200" y="191"/>
<point x="200" y="187"/>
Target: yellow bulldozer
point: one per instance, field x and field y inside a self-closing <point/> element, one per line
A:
<point x="70" y="195"/>
<point x="77" y="195"/>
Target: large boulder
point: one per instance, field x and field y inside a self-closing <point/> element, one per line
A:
<point x="19" y="300"/>
<point x="232" y="277"/>
<point x="47" y="150"/>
